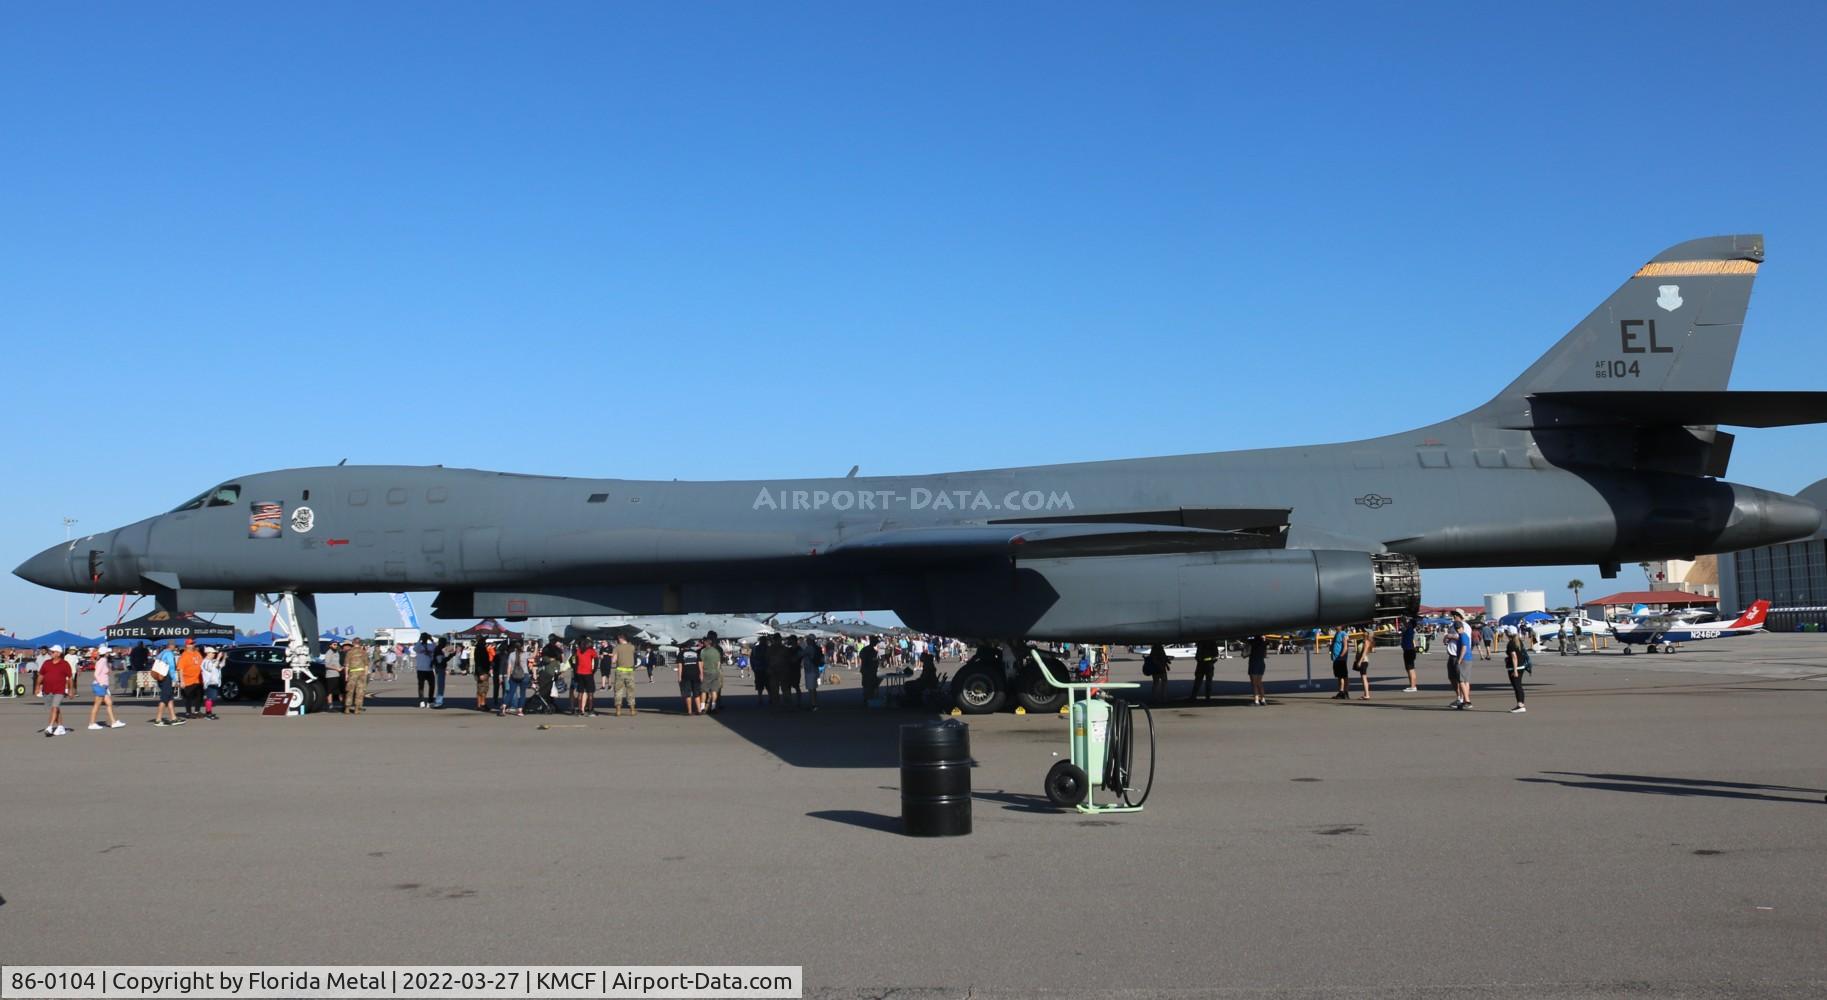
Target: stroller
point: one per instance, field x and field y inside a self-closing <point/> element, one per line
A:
<point x="547" y="686"/>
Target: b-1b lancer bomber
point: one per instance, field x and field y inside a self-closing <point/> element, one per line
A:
<point x="1605" y="451"/>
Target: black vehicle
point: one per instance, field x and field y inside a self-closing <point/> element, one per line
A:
<point x="252" y="672"/>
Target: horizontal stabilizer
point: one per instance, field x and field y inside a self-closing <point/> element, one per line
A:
<point x="1677" y="408"/>
<point x="1043" y="541"/>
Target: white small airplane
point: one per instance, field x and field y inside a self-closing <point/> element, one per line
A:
<point x="1589" y="627"/>
<point x="1665" y="632"/>
<point x="1641" y="612"/>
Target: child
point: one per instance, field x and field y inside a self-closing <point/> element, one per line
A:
<point x="54" y="680"/>
<point x="102" y="689"/>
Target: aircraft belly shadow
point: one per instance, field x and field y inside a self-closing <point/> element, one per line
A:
<point x="841" y="734"/>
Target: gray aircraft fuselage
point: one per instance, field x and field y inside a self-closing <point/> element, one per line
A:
<point x="1141" y="549"/>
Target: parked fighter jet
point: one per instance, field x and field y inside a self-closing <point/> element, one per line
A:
<point x="668" y="630"/>
<point x="825" y="626"/>
<point x="1604" y="451"/>
<point x="1663" y="633"/>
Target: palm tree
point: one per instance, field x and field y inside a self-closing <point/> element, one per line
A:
<point x="1576" y="586"/>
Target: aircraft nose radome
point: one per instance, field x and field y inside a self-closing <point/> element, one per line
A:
<point x="50" y="568"/>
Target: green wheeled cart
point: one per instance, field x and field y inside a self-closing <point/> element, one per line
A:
<point x="1101" y="748"/>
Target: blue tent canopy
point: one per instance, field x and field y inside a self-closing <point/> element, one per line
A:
<point x="1525" y="617"/>
<point x="14" y="642"/>
<point x="64" y="638"/>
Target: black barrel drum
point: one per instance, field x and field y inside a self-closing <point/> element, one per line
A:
<point x="936" y="779"/>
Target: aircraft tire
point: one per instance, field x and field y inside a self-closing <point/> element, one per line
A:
<point x="314" y="699"/>
<point x="979" y="689"/>
<point x="1066" y="784"/>
<point x="1033" y="693"/>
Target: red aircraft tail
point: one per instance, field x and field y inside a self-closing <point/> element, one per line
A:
<point x="1754" y="615"/>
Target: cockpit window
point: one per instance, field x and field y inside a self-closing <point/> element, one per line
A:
<point x="221" y="496"/>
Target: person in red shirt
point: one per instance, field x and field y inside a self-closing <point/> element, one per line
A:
<point x="54" y="680"/>
<point x="583" y="679"/>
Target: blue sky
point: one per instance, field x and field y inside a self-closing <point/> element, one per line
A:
<point x="731" y="240"/>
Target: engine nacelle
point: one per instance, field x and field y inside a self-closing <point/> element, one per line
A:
<point x="1162" y="598"/>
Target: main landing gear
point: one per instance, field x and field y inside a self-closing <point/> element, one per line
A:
<point x="991" y="679"/>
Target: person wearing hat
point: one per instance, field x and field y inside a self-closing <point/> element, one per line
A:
<point x="334" y="685"/>
<point x="101" y="687"/>
<point x="355" y="678"/>
<point x="54" y="678"/>
<point x="710" y="658"/>
<point x="1513" y="663"/>
<point x="213" y="660"/>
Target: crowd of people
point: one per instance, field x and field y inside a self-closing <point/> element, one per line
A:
<point x="514" y="675"/>
<point x="187" y="672"/>
<point x="510" y="675"/>
<point x="1351" y="647"/>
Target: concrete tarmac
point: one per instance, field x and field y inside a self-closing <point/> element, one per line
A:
<point x="1653" y="827"/>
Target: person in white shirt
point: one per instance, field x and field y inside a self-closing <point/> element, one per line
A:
<point x="333" y="674"/>
<point x="212" y="680"/>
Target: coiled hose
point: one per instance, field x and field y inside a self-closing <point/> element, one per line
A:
<point x="1119" y="749"/>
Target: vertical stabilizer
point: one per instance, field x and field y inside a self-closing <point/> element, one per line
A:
<point x="1673" y="325"/>
<point x="1753" y="616"/>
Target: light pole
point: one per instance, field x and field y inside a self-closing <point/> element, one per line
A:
<point x="68" y="523"/>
